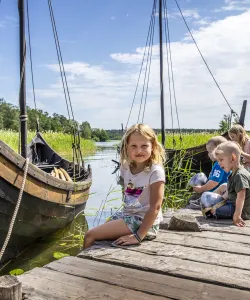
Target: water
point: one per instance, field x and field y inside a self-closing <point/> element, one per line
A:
<point x="105" y="193"/>
<point x="104" y="199"/>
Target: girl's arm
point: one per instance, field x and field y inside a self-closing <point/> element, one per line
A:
<point x="206" y="187"/>
<point x="239" y="207"/>
<point x="156" y="197"/>
<point x="246" y="155"/>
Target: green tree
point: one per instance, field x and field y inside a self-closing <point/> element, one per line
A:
<point x="224" y="123"/>
<point x="85" y="129"/>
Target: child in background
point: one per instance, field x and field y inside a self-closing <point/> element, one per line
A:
<point x="217" y="178"/>
<point x="236" y="201"/>
<point x="238" y="134"/>
<point x="143" y="177"/>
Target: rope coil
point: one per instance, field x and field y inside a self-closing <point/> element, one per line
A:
<point x="15" y="211"/>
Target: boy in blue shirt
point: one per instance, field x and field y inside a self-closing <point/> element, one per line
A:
<point x="218" y="177"/>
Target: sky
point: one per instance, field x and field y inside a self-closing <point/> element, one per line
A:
<point x="102" y="45"/>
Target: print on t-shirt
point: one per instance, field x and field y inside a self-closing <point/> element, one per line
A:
<point x="131" y="195"/>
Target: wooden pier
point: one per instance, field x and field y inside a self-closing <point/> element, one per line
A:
<point x="211" y="264"/>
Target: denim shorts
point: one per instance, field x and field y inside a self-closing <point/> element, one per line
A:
<point x="226" y="211"/>
<point x="134" y="223"/>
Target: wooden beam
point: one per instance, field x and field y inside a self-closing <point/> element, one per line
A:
<point x="10" y="288"/>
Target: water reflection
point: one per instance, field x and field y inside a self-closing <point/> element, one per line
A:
<point x="65" y="241"/>
<point x="105" y="193"/>
<point x="105" y="198"/>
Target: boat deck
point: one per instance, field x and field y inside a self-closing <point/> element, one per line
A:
<point x="211" y="264"/>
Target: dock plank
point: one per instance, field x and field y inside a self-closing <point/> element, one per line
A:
<point x="205" y="235"/>
<point x="160" y="285"/>
<point x="223" y="226"/>
<point x="50" y="284"/>
<point x="184" y="268"/>
<point x="224" y="244"/>
<point x="205" y="256"/>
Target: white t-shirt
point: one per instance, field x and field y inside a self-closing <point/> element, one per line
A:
<point x="137" y="190"/>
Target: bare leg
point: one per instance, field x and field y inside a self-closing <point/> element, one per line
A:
<point x="109" y="231"/>
<point x="221" y="189"/>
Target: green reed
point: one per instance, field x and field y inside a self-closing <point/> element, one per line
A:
<point x="178" y="174"/>
<point x="60" y="142"/>
<point x="187" y="140"/>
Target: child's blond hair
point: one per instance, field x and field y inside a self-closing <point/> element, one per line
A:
<point x="217" y="140"/>
<point x="158" y="152"/>
<point x="241" y="133"/>
<point x="228" y="148"/>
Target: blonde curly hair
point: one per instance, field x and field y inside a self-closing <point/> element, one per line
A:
<point x="157" y="154"/>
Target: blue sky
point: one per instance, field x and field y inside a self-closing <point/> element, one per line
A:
<point x="102" y="44"/>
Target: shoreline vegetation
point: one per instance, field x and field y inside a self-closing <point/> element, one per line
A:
<point x="58" y="141"/>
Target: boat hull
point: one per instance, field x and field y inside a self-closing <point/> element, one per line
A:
<point x="198" y="157"/>
<point x="48" y="204"/>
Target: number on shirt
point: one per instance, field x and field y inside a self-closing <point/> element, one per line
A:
<point x="217" y="173"/>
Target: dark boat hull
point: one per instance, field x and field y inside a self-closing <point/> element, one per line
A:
<point x="35" y="218"/>
<point x="48" y="204"/>
<point x="198" y="157"/>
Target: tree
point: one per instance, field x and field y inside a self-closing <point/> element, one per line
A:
<point x="85" y="129"/>
<point x="224" y="123"/>
<point x="227" y="121"/>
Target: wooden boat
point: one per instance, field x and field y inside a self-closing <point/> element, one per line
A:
<point x="48" y="203"/>
<point x="199" y="155"/>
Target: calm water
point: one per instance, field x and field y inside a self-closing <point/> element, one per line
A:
<point x="104" y="199"/>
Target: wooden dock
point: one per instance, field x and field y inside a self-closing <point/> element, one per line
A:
<point x="211" y="264"/>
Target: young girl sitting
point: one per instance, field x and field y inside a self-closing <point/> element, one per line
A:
<point x="143" y="177"/>
<point x="238" y="134"/>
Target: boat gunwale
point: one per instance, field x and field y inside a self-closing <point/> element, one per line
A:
<point x="40" y="175"/>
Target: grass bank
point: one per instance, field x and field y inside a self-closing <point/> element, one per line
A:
<point x="60" y="142"/>
<point x="188" y="139"/>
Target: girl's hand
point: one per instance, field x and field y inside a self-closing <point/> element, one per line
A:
<point x="126" y="240"/>
<point x="198" y="189"/>
<point x="238" y="221"/>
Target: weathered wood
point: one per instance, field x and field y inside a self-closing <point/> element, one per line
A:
<point x="56" y="285"/>
<point x="205" y="256"/>
<point x="68" y="178"/>
<point x="185" y="268"/>
<point x="183" y="222"/>
<point x="209" y="236"/>
<point x="155" y="284"/>
<point x="61" y="175"/>
<point x="10" y="288"/>
<point x="207" y="224"/>
<point x="213" y="241"/>
<point x="56" y="173"/>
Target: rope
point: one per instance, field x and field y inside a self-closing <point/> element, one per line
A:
<point x="147" y="71"/>
<point x="15" y="211"/>
<point x="75" y="147"/>
<point x="171" y="66"/>
<point x="152" y="15"/>
<point x="31" y="63"/>
<point x="169" y="79"/>
<point x="151" y="50"/>
<point x="204" y="59"/>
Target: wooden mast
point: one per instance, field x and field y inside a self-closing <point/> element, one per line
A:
<point x="161" y="77"/>
<point x="22" y="91"/>
<point x="243" y="113"/>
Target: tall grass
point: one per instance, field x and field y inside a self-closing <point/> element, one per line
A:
<point x="178" y="174"/>
<point x="188" y="139"/>
<point x="60" y="142"/>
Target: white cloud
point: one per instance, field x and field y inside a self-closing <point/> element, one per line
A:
<point x="187" y="13"/>
<point x="235" y="5"/>
<point x="103" y="96"/>
<point x="8" y="21"/>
